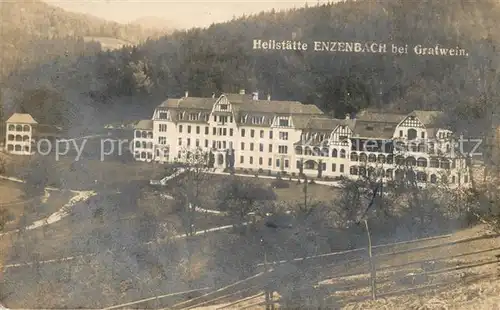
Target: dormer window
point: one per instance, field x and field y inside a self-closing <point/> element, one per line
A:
<point x="193" y="116"/>
<point x="223" y="107"/>
<point x="283" y="122"/>
<point x="163" y="115"/>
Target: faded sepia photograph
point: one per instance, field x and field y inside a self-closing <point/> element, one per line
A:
<point x="203" y="155"/>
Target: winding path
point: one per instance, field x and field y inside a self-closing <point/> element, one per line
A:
<point x="80" y="196"/>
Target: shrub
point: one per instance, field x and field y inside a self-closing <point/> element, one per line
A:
<point x="226" y="170"/>
<point x="260" y="170"/>
<point x="312" y="181"/>
<point x="245" y="171"/>
<point x="256" y="175"/>
<point x="280" y="184"/>
<point x="293" y="174"/>
<point x="269" y="172"/>
<point x="298" y="181"/>
<point x="328" y="179"/>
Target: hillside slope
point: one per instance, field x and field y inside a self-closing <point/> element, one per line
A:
<point x="34" y="31"/>
<point x="220" y="58"/>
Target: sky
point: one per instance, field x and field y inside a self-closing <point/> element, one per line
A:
<point x="183" y="14"/>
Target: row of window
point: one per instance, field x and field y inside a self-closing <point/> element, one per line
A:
<point x="19" y="128"/>
<point x="17" y="148"/>
<point x="400" y="175"/>
<point x="18" y="138"/>
<point x="286" y="163"/>
<point x="224" y="132"/>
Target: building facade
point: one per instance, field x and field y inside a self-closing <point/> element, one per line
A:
<point x="23" y="134"/>
<point x="245" y="132"/>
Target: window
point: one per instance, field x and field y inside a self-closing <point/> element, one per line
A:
<point x="341" y="168"/>
<point x="283" y="149"/>
<point x="162" y="127"/>
<point x="400" y="133"/>
<point x="270" y="148"/>
<point x="188" y="142"/>
<point x="180" y="128"/>
<point x="270" y="134"/>
<point x="189" y="129"/>
<point x="260" y="161"/>
<point x="251" y="160"/>
<point x="286" y="163"/>
<point x="224" y="131"/>
<point x="197" y="130"/>
<point x="197" y="142"/>
<point x="206" y="130"/>
<point x="243" y="132"/>
<point x="231" y="132"/>
<point x="214" y="131"/>
<point x="230" y="119"/>
<point x="277" y="163"/>
<point x="422" y="135"/>
<point x="252" y="133"/>
<point x="215" y="118"/>
<point x="193" y="117"/>
<point x="283" y="135"/>
<point x="213" y="145"/>
<point x="242" y="159"/>
<point x="206" y="143"/>
<point x="262" y="134"/>
<point x="242" y="146"/>
<point x="251" y="146"/>
<point x="163" y="115"/>
<point x="223" y="107"/>
<point x="180" y="141"/>
<point x="466" y="179"/>
<point x="162" y="140"/>
<point x="270" y="162"/>
<point x="223" y="119"/>
<point x="224" y="144"/>
<point x="323" y="167"/>
<point x="261" y="147"/>
<point x="334" y="167"/>
<point x="283" y="122"/>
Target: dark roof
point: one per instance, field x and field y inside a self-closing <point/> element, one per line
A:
<point x="428" y="118"/>
<point x="370" y="116"/>
<point x="44" y="129"/>
<point x="380" y="130"/>
<point x="145" y="124"/>
<point x="197" y="103"/>
<point x="376" y="124"/>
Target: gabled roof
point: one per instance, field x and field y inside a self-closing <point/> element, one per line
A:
<point x="379" y="130"/>
<point x="145" y="124"/>
<point x="428" y="118"/>
<point x="370" y="116"/>
<point x="21" y="118"/>
<point x="244" y="104"/>
<point x="323" y="124"/>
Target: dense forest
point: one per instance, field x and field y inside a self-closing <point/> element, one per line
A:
<point x="33" y="32"/>
<point x="220" y="58"/>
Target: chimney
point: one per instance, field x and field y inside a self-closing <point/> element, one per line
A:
<point x="348" y="116"/>
<point x="186" y="94"/>
<point x="242" y="91"/>
<point x="255" y="96"/>
<point x="269" y="97"/>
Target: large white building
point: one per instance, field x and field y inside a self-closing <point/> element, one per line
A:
<point x="245" y="132"/>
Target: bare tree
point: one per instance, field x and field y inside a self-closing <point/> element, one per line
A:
<point x="190" y="186"/>
<point x="239" y="197"/>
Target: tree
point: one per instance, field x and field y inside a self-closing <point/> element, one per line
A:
<point x="39" y="174"/>
<point x="240" y="197"/>
<point x="190" y="186"/>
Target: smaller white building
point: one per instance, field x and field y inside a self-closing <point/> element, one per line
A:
<point x="19" y="134"/>
<point x="143" y="141"/>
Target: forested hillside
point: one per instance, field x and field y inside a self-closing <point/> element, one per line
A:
<point x="220" y="58"/>
<point x="33" y="31"/>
